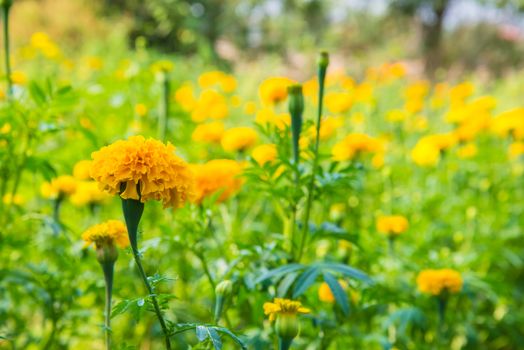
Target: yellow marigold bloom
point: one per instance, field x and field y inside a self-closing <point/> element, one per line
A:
<point x="468" y="150"/>
<point x="165" y="66"/>
<point x="326" y="295"/>
<point x="218" y="175"/>
<point x="440" y="141"/>
<point x="397" y="70"/>
<point x="392" y="224"/>
<point x="310" y="88"/>
<point x="144" y="169"/>
<point x="18" y="77"/>
<point x="274" y="90"/>
<point x="5" y="129"/>
<point x="209" y="133"/>
<point x="364" y="93"/>
<point x="59" y="187"/>
<point x="264" y="153"/>
<point x="516" y="149"/>
<point x="354" y="144"/>
<point x="328" y="127"/>
<point x="250" y="107"/>
<point x="81" y="170"/>
<point x="228" y="83"/>
<point x="284" y="307"/>
<point x="239" y="139"/>
<point x="87" y="192"/>
<point x="208" y="79"/>
<point x="236" y="101"/>
<point x="140" y="109"/>
<point x="185" y="97"/>
<point x="338" y="102"/>
<point x="378" y="160"/>
<point x="268" y="116"/>
<point x="210" y="104"/>
<point x="94" y="63"/>
<point x="17" y="199"/>
<point x="414" y="105"/>
<point x="107" y="233"/>
<point x="396" y="116"/>
<point x="460" y="92"/>
<point x="509" y="123"/>
<point x="425" y="154"/>
<point x="417" y="90"/>
<point x="436" y="282"/>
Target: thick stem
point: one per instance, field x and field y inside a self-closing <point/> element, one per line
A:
<point x="108" y="269"/>
<point x="305" y="230"/>
<point x="7" y="51"/>
<point x="284" y="344"/>
<point x="154" y="301"/>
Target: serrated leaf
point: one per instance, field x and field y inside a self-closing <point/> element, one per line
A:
<point x="120" y="308"/>
<point x="305" y="281"/>
<point x="279" y="271"/>
<point x="346" y="270"/>
<point x="338" y="292"/>
<point x="215" y="338"/>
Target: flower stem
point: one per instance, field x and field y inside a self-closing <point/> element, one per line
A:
<point x="108" y="269"/>
<point x="322" y="68"/>
<point x="7" y="52"/>
<point x="284" y="344"/>
<point x="164" y="107"/>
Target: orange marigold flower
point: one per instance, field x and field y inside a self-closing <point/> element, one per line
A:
<point x="218" y="175"/>
<point x="210" y="132"/>
<point x="392" y="224"/>
<point x="274" y="90"/>
<point x="436" y="282"/>
<point x="239" y="139"/>
<point x="143" y="169"/>
<point x="264" y="153"/>
<point x="59" y="187"/>
<point x="354" y="144"/>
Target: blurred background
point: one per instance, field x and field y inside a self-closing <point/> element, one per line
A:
<point x="441" y="38"/>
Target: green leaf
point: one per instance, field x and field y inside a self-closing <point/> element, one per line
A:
<point x="305" y="281"/>
<point x="120" y="308"/>
<point x="286" y="283"/>
<point x="279" y="271"/>
<point x="42" y="166"/>
<point x="346" y="270"/>
<point x="338" y="292"/>
<point x="201" y="332"/>
<point x="215" y="338"/>
<point x="232" y="336"/>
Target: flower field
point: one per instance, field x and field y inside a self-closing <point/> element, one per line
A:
<point x="151" y="202"/>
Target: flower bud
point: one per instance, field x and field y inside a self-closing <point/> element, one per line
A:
<point x="323" y="60"/>
<point x="6" y="3"/>
<point x="287" y="326"/>
<point x="296" y="108"/>
<point x="106" y="254"/>
<point x="223" y="291"/>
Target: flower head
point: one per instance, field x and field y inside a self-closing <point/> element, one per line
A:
<point x="392" y="225"/>
<point x="436" y="282"/>
<point x="107" y="233"/>
<point x="218" y="175"/>
<point x="87" y="192"/>
<point x="354" y="144"/>
<point x="274" y="90"/>
<point x="81" y="170"/>
<point x="326" y="295"/>
<point x="264" y="153"/>
<point x="143" y="169"/>
<point x="59" y="187"/>
<point x="209" y="132"/>
<point x="239" y="139"/>
<point x="284" y="307"/>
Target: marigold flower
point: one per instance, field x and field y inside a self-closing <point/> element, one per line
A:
<point x="218" y="175"/>
<point x="392" y="224"/>
<point x="509" y="123"/>
<point x="267" y="116"/>
<point x="516" y="149"/>
<point x="140" y="109"/>
<point x="17" y="199"/>
<point x="436" y="282"/>
<point x="328" y="127"/>
<point x="284" y="307"/>
<point x="264" y="153"/>
<point x="354" y="144"/>
<point x="425" y="154"/>
<point x="165" y="66"/>
<point x="338" y="102"/>
<point x="185" y="97"/>
<point x="326" y="295"/>
<point x="210" y="104"/>
<point x="59" y="187"/>
<point x="18" y="77"/>
<point x="239" y="139"/>
<point x="87" y="192"/>
<point x="81" y="170"/>
<point x="143" y="169"/>
<point x="468" y="150"/>
<point x="107" y="233"/>
<point x="210" y="132"/>
<point x="274" y="90"/>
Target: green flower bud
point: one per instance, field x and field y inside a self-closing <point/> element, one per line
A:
<point x="106" y="254"/>
<point x="223" y="291"/>
<point x="323" y="60"/>
<point x="296" y="108"/>
<point x="287" y="326"/>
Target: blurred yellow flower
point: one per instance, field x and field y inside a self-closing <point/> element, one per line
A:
<point x="338" y="102"/>
<point x="81" y="170"/>
<point x="509" y="123"/>
<point x="59" y="187"/>
<point x="185" y="97"/>
<point x="226" y="82"/>
<point x="164" y="66"/>
<point x="107" y="234"/>
<point x="218" y="175"/>
<point x="94" y="63"/>
<point x="87" y="192"/>
<point x="281" y="306"/>
<point x="417" y="90"/>
<point x="396" y="116"/>
<point x="209" y="133"/>
<point x="210" y="104"/>
<point x="250" y="107"/>
<point x="267" y="116"/>
<point x="354" y="144"/>
<point x="143" y="169"/>
<point x="392" y="224"/>
<point x="239" y="139"/>
<point x="425" y="154"/>
<point x="18" y="77"/>
<point x="436" y="282"/>
<point x="5" y="129"/>
<point x="264" y="153"/>
<point x="17" y="199"/>
<point x="326" y="295"/>
<point x="274" y="90"/>
<point x="140" y="109"/>
<point x="469" y="150"/>
<point x="516" y="149"/>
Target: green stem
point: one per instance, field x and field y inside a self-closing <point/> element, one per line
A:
<point x="305" y="229"/>
<point x="284" y="344"/>
<point x="164" y="107"/>
<point x="108" y="269"/>
<point x="7" y="52"/>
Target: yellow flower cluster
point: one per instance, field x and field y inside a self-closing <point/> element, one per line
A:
<point x="436" y="282"/>
<point x="428" y="149"/>
<point x="264" y="153"/>
<point x="392" y="224"/>
<point x="226" y="82"/>
<point x="509" y="123"/>
<point x="274" y="90"/>
<point x="59" y="187"/>
<point x="107" y="233"/>
<point x="143" y="169"/>
<point x="239" y="139"/>
<point x="353" y="145"/>
<point x="284" y="307"/>
<point x="218" y="175"/>
<point x="210" y="105"/>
